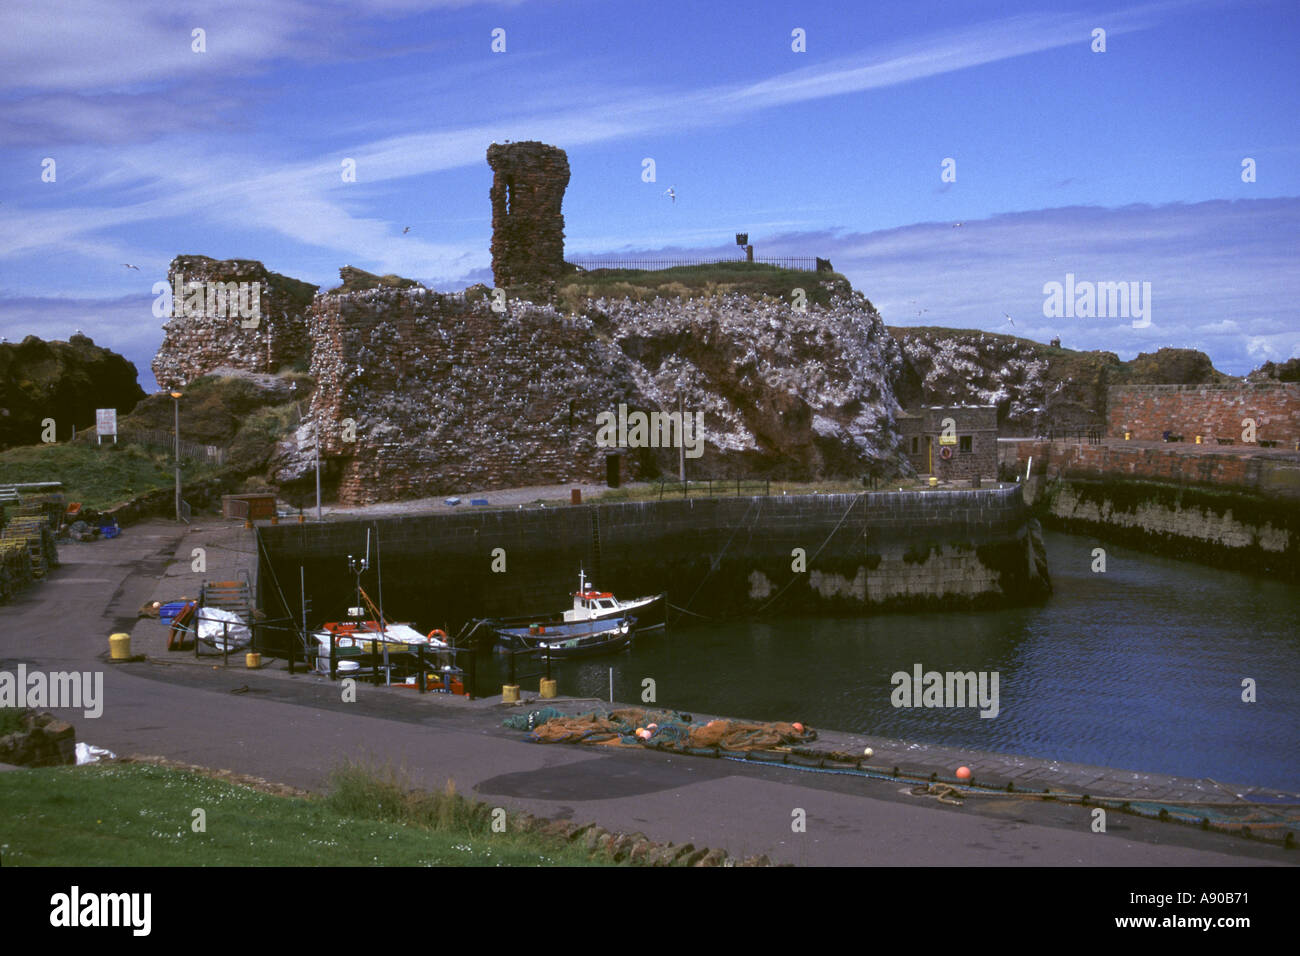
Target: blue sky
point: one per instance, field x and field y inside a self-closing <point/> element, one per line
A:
<point x="1123" y="165"/>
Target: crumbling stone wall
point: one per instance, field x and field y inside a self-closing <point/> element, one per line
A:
<point x="449" y="396"/>
<point x="195" y="345"/>
<point x="1212" y="411"/>
<point x="528" y="184"/>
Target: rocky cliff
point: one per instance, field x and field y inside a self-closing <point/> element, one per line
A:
<point x="788" y="394"/>
<point x="65" y="381"/>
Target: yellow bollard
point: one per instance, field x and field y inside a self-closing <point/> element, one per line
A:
<point x="119" y="646"/>
<point x="548" y="688"/>
<point x="1198" y="439"/>
<point x="252" y="660"/>
<point x="1128" y="435"/>
<point x="509" y="693"/>
<point x="933" y="481"/>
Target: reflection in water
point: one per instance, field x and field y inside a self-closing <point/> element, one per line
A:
<point x="1140" y="668"/>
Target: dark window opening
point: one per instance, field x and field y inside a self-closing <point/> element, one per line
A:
<point x="916" y="445"/>
<point x="964" y="443"/>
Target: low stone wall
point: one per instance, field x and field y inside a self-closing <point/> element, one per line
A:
<point x="161" y="502"/>
<point x="1268" y="473"/>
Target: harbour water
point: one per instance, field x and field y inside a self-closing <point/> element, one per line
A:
<point x="1140" y="667"/>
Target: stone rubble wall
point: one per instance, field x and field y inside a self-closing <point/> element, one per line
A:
<point x="194" y="346"/>
<point x="447" y="394"/>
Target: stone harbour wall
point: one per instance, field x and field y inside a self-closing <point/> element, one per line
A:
<point x="714" y="556"/>
<point x="1229" y="529"/>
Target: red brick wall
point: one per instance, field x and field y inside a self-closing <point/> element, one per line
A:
<point x="1213" y="411"/>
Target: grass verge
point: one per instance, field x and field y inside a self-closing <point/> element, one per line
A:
<point x="99" y="476"/>
<point x="120" y="814"/>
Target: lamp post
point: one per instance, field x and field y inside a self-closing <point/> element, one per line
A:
<point x="176" y="402"/>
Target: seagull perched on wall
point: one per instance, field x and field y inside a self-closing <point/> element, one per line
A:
<point x="129" y="266"/>
<point x="671" y="194"/>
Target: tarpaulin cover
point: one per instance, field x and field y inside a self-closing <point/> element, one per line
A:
<point x="217" y="626"/>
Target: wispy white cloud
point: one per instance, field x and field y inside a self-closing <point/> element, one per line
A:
<point x="306" y="201"/>
<point x="99" y="45"/>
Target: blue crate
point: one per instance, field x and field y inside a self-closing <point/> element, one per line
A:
<point x="170" y="610"/>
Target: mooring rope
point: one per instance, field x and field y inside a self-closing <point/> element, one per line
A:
<point x="844" y="517"/>
<point x="715" y="562"/>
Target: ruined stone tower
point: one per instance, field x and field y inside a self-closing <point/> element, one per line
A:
<point x="528" y="186"/>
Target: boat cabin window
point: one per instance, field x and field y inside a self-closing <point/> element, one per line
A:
<point x="605" y="604"/>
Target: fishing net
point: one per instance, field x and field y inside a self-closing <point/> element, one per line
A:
<point x="664" y="730"/>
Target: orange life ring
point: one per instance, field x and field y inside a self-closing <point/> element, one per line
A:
<point x="945" y="452"/>
<point x="438" y="633"/>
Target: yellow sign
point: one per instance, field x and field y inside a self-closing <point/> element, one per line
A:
<point x="947" y="439"/>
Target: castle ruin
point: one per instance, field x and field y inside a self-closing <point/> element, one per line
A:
<point x="528" y="183"/>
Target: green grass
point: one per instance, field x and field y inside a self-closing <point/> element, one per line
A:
<point x="99" y="476"/>
<point x="686" y="281"/>
<point x="141" y="815"/>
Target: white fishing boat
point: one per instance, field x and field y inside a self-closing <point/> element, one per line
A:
<point x="592" y="605"/>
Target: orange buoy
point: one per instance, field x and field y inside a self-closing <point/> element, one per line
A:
<point x="797" y="726"/>
<point x="963" y="773"/>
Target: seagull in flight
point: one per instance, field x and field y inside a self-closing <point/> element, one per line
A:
<point x="129" y="266"/>
<point x="671" y="194"/>
<point x="1010" y="319"/>
<point x="406" y="230"/>
<point x="958" y="225"/>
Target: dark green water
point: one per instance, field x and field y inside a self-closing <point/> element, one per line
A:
<point x="1139" y="668"/>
